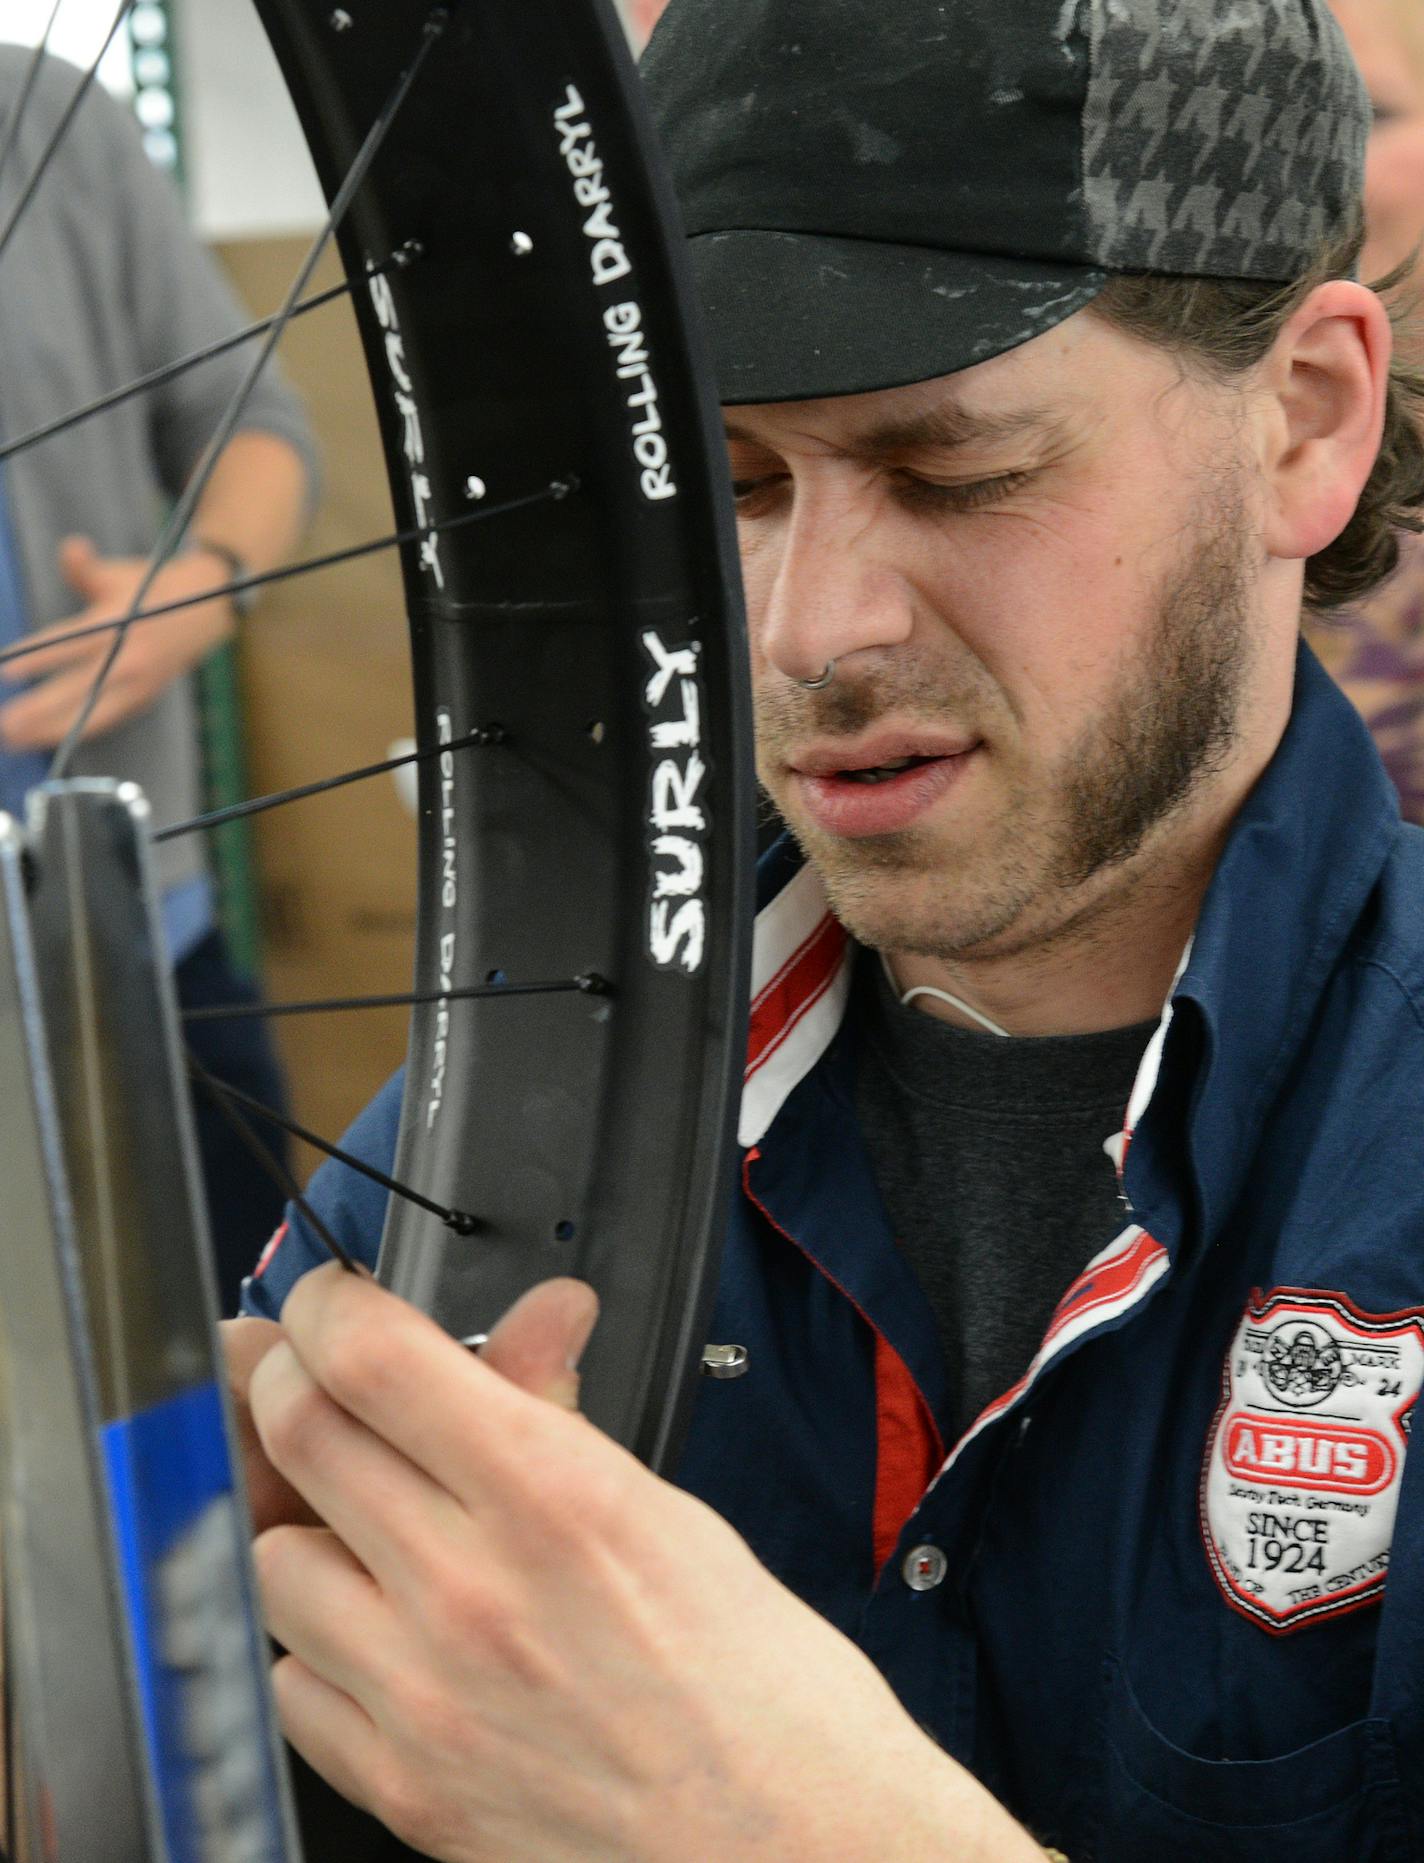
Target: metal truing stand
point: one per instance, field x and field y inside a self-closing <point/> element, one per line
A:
<point x="141" y="1729"/>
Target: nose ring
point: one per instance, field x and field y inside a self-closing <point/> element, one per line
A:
<point x="819" y="685"/>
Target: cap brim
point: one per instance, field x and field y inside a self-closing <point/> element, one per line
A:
<point x="799" y="316"/>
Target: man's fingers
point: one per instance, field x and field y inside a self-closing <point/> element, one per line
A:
<point x="272" y="1499"/>
<point x="245" y="1343"/>
<point x="385" y="1507"/>
<point x="417" y="1389"/>
<point x="538" y="1343"/>
<point x="322" y="1606"/>
<point x="333" y="1735"/>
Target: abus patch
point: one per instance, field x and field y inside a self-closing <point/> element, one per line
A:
<point x="1304" y="1456"/>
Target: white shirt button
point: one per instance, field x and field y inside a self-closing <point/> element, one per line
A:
<point x="924" y="1568"/>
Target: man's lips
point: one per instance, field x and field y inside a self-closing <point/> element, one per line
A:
<point x="879" y="786"/>
<point x="841" y="758"/>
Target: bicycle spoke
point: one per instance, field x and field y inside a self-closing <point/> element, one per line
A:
<point x="460" y="1221"/>
<point x="219" y="1093"/>
<point x="142" y="384"/>
<point x="61" y="130"/>
<point x="556" y="490"/>
<point x="181" y="515"/>
<point x="486" y="736"/>
<point x="589" y="984"/>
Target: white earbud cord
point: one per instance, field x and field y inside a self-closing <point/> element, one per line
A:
<point x="941" y="996"/>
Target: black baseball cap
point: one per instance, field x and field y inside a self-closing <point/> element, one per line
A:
<point x="882" y="191"/>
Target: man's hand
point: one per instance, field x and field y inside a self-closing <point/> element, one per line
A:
<point x="536" y="1346"/>
<point x="154" y="654"/>
<point x="510" y="1641"/>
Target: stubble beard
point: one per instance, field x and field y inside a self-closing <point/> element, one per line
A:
<point x="1171" y="725"/>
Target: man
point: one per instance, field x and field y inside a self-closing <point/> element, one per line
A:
<point x="101" y="283"/>
<point x="1086" y="1432"/>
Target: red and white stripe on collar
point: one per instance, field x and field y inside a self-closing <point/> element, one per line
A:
<point x="801" y="970"/>
<point x="274" y="1242"/>
<point x="1145" y="1084"/>
<point x="801" y="973"/>
<point x="1113" y="1282"/>
<point x="1117" y="1278"/>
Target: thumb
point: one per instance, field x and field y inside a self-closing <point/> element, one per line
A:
<point x="538" y="1343"/>
<point x="78" y="564"/>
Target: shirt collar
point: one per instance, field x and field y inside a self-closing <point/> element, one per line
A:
<point x="1303" y="857"/>
<point x="1301" y="860"/>
<point x="802" y="960"/>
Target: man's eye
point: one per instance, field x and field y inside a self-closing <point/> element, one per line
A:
<point x="746" y="492"/>
<point x="926" y="494"/>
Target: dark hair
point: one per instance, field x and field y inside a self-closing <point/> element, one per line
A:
<point x="1226" y="326"/>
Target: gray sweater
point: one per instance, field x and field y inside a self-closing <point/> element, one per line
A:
<point x="103" y="281"/>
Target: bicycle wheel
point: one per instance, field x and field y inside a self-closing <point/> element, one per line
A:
<point x="540" y="338"/>
<point x="586" y="864"/>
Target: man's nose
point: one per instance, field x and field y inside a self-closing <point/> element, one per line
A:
<point x="831" y="590"/>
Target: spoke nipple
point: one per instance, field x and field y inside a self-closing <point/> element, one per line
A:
<point x="475" y="487"/>
<point x="592" y="984"/>
<point x="407" y="253"/>
<point x="437" y="22"/>
<point x="560" y="488"/>
<point x="521" y="245"/>
<point x="341" y="20"/>
<point x="462" y="1222"/>
<point x="492" y="734"/>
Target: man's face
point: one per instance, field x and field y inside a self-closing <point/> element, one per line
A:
<point x="1038" y="580"/>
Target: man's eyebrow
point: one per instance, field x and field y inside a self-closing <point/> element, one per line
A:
<point x="943" y="428"/>
<point x="949" y="427"/>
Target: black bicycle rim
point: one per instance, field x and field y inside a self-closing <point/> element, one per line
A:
<point x="541" y="340"/>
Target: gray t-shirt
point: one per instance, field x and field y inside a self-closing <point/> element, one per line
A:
<point x="989" y="1155"/>
<point x="101" y="283"/>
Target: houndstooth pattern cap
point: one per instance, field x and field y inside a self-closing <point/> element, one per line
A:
<point x="1220" y="137"/>
<point x="884" y="191"/>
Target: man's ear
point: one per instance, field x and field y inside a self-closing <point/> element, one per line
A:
<point x="1322" y="416"/>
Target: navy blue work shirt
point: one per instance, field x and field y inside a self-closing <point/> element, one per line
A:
<point x="1166" y="1596"/>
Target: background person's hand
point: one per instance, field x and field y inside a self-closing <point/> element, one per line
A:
<point x="155" y="653"/>
<point x="512" y="1642"/>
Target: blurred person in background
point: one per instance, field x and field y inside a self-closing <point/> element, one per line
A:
<point x="1376" y="650"/>
<point x="102" y="282"/>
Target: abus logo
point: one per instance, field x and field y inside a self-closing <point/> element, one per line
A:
<point x="1308" y="1454"/>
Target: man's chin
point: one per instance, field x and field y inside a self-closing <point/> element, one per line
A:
<point x="848" y="865"/>
<point x="895" y="903"/>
